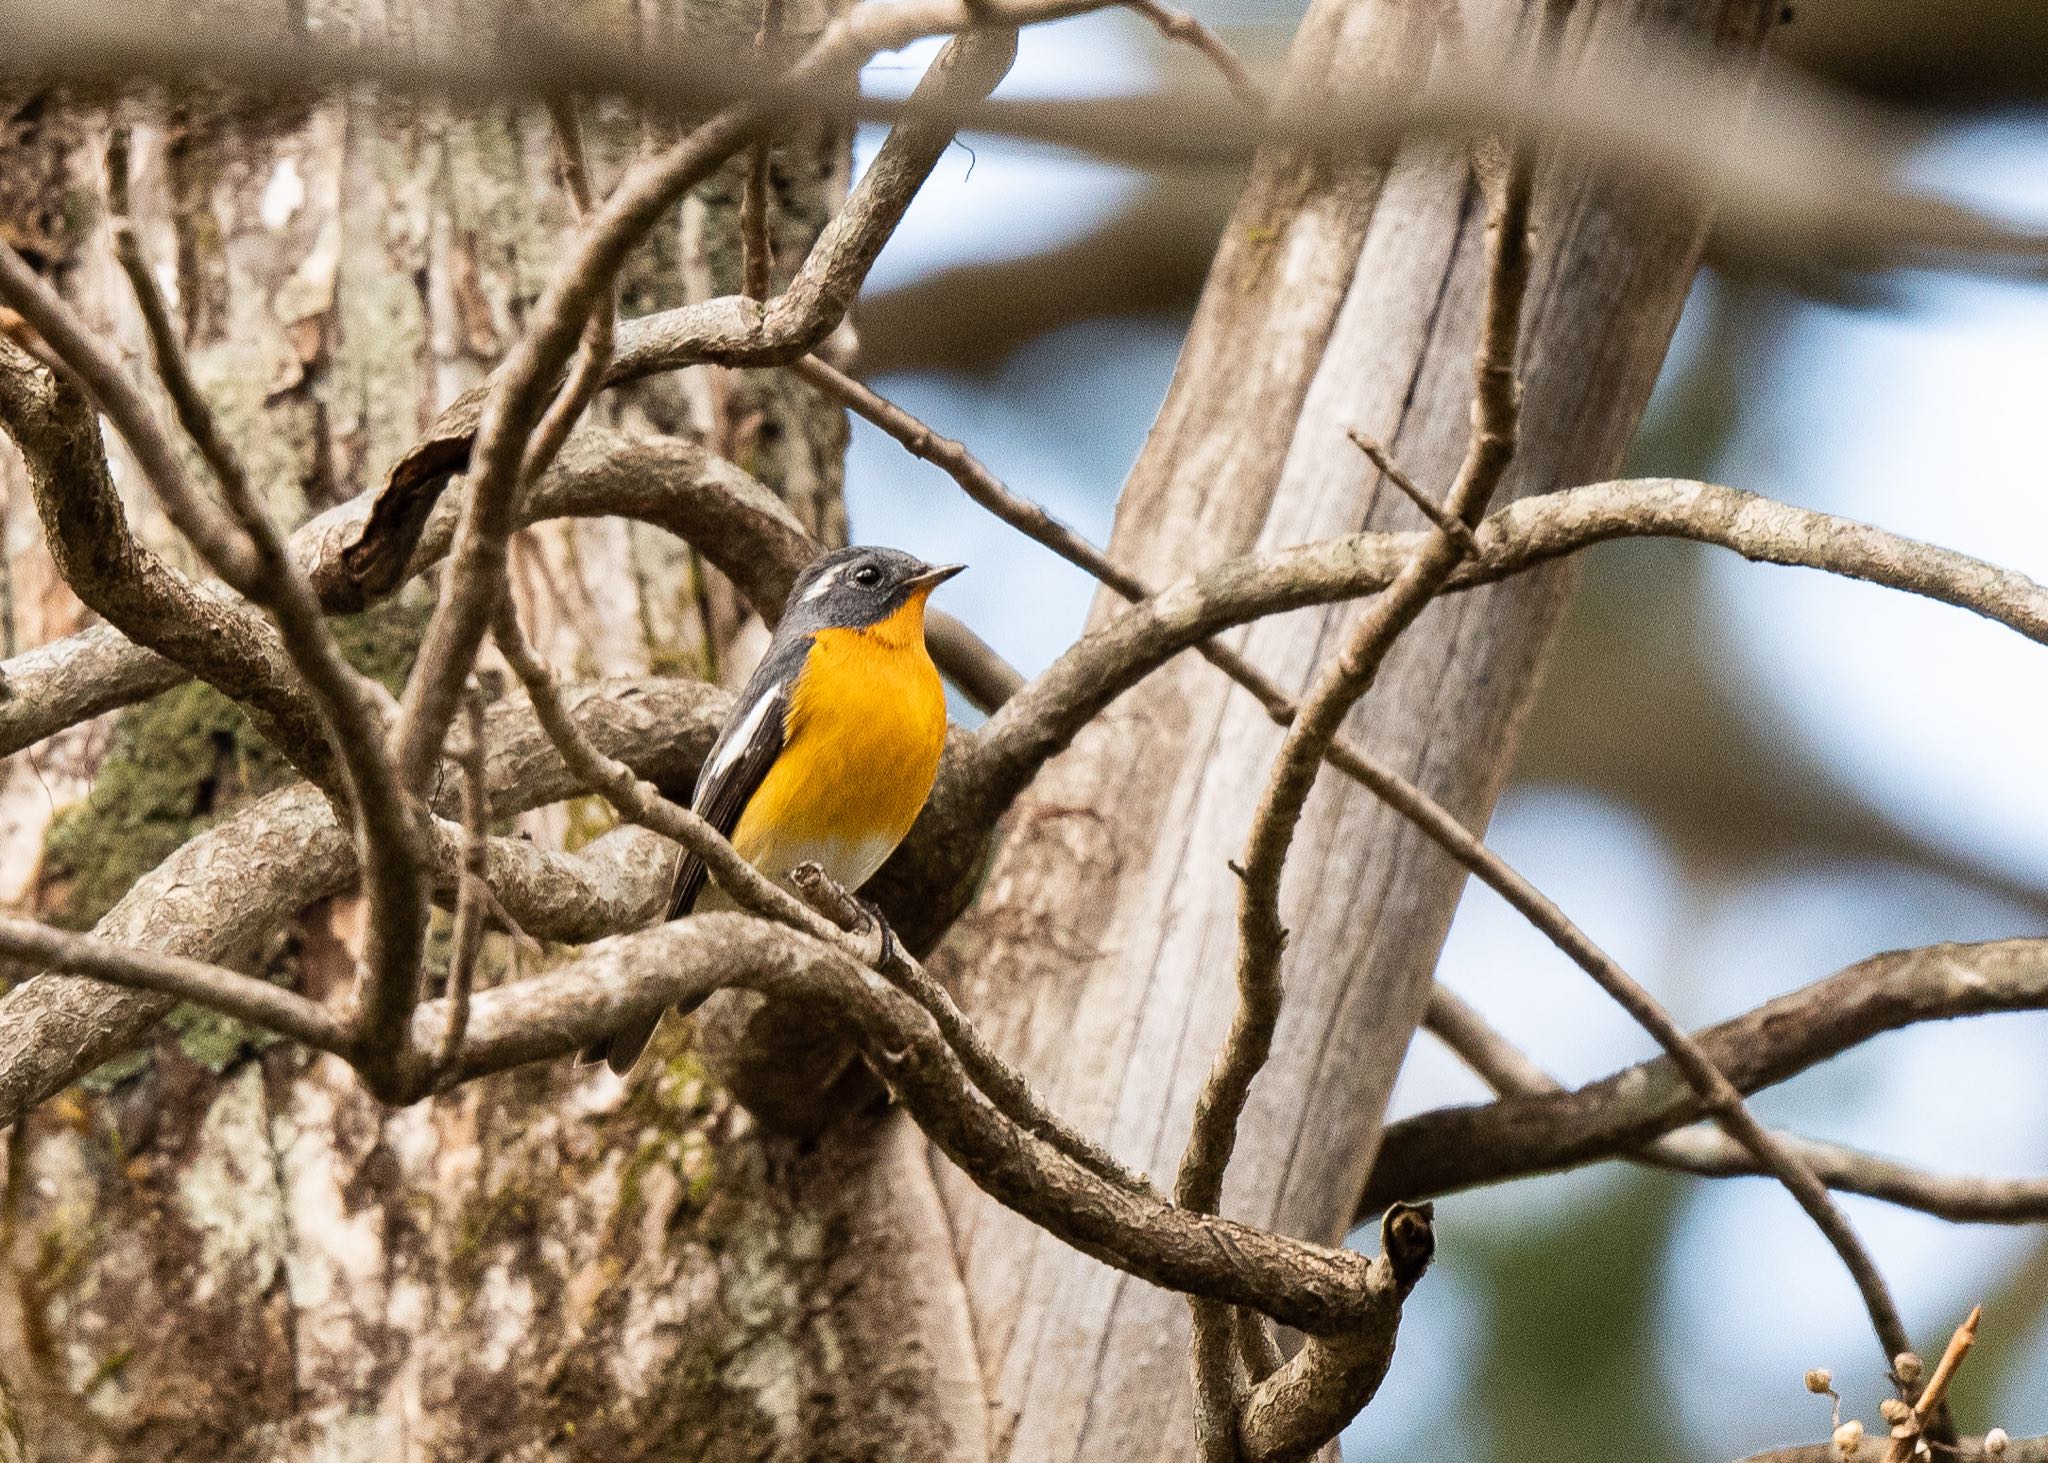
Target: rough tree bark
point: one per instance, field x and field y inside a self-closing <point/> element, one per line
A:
<point x="236" y="1254"/>
<point x="1099" y="957"/>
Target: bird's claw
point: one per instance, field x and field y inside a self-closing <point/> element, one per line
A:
<point x="880" y="922"/>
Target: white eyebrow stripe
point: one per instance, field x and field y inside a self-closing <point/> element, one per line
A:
<point x="825" y="582"/>
<point x="733" y="747"/>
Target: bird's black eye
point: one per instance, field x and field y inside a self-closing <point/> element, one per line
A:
<point x="867" y="576"/>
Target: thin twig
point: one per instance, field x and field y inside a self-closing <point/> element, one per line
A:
<point x="1928" y="1414"/>
<point x="1004" y="1085"/>
<point x="1178" y="25"/>
<point x="1377" y="453"/>
<point x="757" y="255"/>
<point x="1509" y="1072"/>
<point x="1261" y="936"/>
<point x="524" y="383"/>
<point x="156" y="617"/>
<point x="243" y="997"/>
<point x="220" y="542"/>
<point x="471" y="899"/>
<point x="166" y="349"/>
<point x="1717" y="1095"/>
<point x="594" y="349"/>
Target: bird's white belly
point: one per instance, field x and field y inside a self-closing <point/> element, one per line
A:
<point x="850" y="861"/>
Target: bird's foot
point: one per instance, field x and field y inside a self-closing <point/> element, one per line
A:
<point x="880" y="922"/>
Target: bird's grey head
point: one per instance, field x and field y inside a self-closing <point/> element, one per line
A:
<point x="857" y="587"/>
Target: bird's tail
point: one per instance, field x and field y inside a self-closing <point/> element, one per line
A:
<point x="623" y="1047"/>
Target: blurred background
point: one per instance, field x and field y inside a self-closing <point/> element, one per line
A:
<point x="1738" y="779"/>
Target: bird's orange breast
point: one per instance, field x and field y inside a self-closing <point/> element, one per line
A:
<point x="862" y="737"/>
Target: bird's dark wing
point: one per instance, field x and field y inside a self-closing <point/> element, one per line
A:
<point x="739" y="759"/>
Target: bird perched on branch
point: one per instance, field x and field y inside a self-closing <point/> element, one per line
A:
<point x="831" y="749"/>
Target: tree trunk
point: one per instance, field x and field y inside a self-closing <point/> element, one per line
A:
<point x="229" y="1252"/>
<point x="1100" y="954"/>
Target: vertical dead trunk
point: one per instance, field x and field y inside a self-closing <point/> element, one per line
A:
<point x="1100" y="954"/>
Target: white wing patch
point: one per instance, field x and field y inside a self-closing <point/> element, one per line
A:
<point x="733" y="747"/>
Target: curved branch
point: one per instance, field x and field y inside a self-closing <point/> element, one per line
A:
<point x="669" y="482"/>
<point x="1457" y="1148"/>
<point x="247" y="550"/>
<point x="1046" y="714"/>
<point x="242" y="996"/>
<point x="1964" y="1199"/>
<point x="1299" y="1283"/>
<point x="201" y="628"/>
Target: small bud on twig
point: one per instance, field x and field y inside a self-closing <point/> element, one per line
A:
<point x="1995" y="1441"/>
<point x="1908" y="1368"/>
<point x="1848" y="1438"/>
<point x="1820" y="1381"/>
<point x="1893" y="1411"/>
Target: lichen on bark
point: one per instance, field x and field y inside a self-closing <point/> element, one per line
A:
<point x="174" y="767"/>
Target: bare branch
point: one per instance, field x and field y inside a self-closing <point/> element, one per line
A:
<point x="1455" y="1148"/>
<point x="253" y="557"/>
<point x="1003" y="1084"/>
<point x="1965" y="1199"/>
<point x="1292" y="1413"/>
<point x="1455" y="528"/>
<point x="1301" y="1284"/>
<point x="244" y="997"/>
<point x="1671" y="119"/>
<point x="1718" y="1097"/>
<point x="1260" y="935"/>
<point x="1044" y="716"/>
<point x="1928" y="1408"/>
<point x="221" y="543"/>
<point x="209" y="633"/>
<point x="594" y="350"/>
<point x="473" y="758"/>
<point x="757" y="259"/>
<point x="671" y="483"/>
<point x="1959" y="1198"/>
<point x="221" y="895"/>
<point x="1178" y="25"/>
<point x="642" y="802"/>
<point x="194" y="415"/>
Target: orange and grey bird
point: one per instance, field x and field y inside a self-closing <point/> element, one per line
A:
<point x="830" y="751"/>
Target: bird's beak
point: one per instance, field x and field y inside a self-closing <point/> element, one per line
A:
<point x="932" y="577"/>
